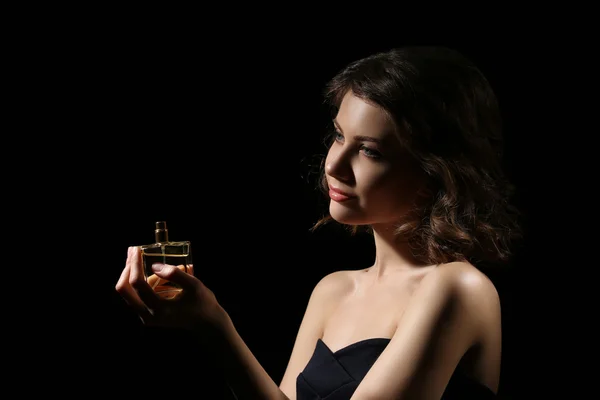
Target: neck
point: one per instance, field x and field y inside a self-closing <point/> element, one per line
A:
<point x="392" y="254"/>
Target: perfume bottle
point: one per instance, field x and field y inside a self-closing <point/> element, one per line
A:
<point x="164" y="251"/>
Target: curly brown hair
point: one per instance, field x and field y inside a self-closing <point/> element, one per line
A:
<point x="447" y="118"/>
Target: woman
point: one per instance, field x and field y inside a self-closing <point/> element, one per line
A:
<point x="414" y="159"/>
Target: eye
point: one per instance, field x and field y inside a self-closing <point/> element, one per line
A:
<point x="367" y="151"/>
<point x="371" y="153"/>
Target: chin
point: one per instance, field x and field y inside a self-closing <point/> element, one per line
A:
<point x="346" y="215"/>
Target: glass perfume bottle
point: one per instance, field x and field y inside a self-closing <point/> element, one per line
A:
<point x="164" y="251"/>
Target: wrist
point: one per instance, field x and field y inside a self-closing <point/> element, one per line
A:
<point x="213" y="323"/>
<point x="220" y="319"/>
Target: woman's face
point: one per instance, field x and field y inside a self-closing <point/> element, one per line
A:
<point x="371" y="179"/>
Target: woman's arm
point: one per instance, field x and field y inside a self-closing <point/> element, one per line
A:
<point x="323" y="299"/>
<point x="244" y="374"/>
<point x="198" y="311"/>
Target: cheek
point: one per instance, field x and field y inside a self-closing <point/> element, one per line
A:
<point x="385" y="194"/>
<point x="388" y="191"/>
<point x="373" y="179"/>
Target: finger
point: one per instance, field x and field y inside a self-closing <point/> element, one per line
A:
<point x="176" y="274"/>
<point x="132" y="299"/>
<point x="123" y="281"/>
<point x="138" y="282"/>
<point x="155" y="282"/>
<point x="126" y="291"/>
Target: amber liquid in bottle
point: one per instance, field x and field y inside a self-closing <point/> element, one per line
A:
<point x="164" y="251"/>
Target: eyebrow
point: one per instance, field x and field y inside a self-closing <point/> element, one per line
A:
<point x="359" y="138"/>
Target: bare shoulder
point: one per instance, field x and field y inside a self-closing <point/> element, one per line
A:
<point x="334" y="286"/>
<point x="466" y="285"/>
<point x="468" y="282"/>
<point x="336" y="283"/>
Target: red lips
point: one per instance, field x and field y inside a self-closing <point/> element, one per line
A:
<point x="339" y="195"/>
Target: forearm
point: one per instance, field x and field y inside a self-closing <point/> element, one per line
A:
<point x="243" y="372"/>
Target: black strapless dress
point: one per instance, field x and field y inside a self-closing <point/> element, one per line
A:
<point x="335" y="376"/>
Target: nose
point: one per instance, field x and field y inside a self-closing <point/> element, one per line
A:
<point x="338" y="165"/>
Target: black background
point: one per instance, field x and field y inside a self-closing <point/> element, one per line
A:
<point x="215" y="137"/>
<point x="220" y="152"/>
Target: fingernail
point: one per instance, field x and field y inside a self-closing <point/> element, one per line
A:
<point x="157" y="267"/>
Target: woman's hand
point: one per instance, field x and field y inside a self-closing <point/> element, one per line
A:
<point x="163" y="286"/>
<point x="195" y="308"/>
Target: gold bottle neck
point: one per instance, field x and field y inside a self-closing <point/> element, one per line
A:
<point x="161" y="233"/>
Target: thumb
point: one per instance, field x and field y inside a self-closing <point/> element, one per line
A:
<point x="180" y="274"/>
